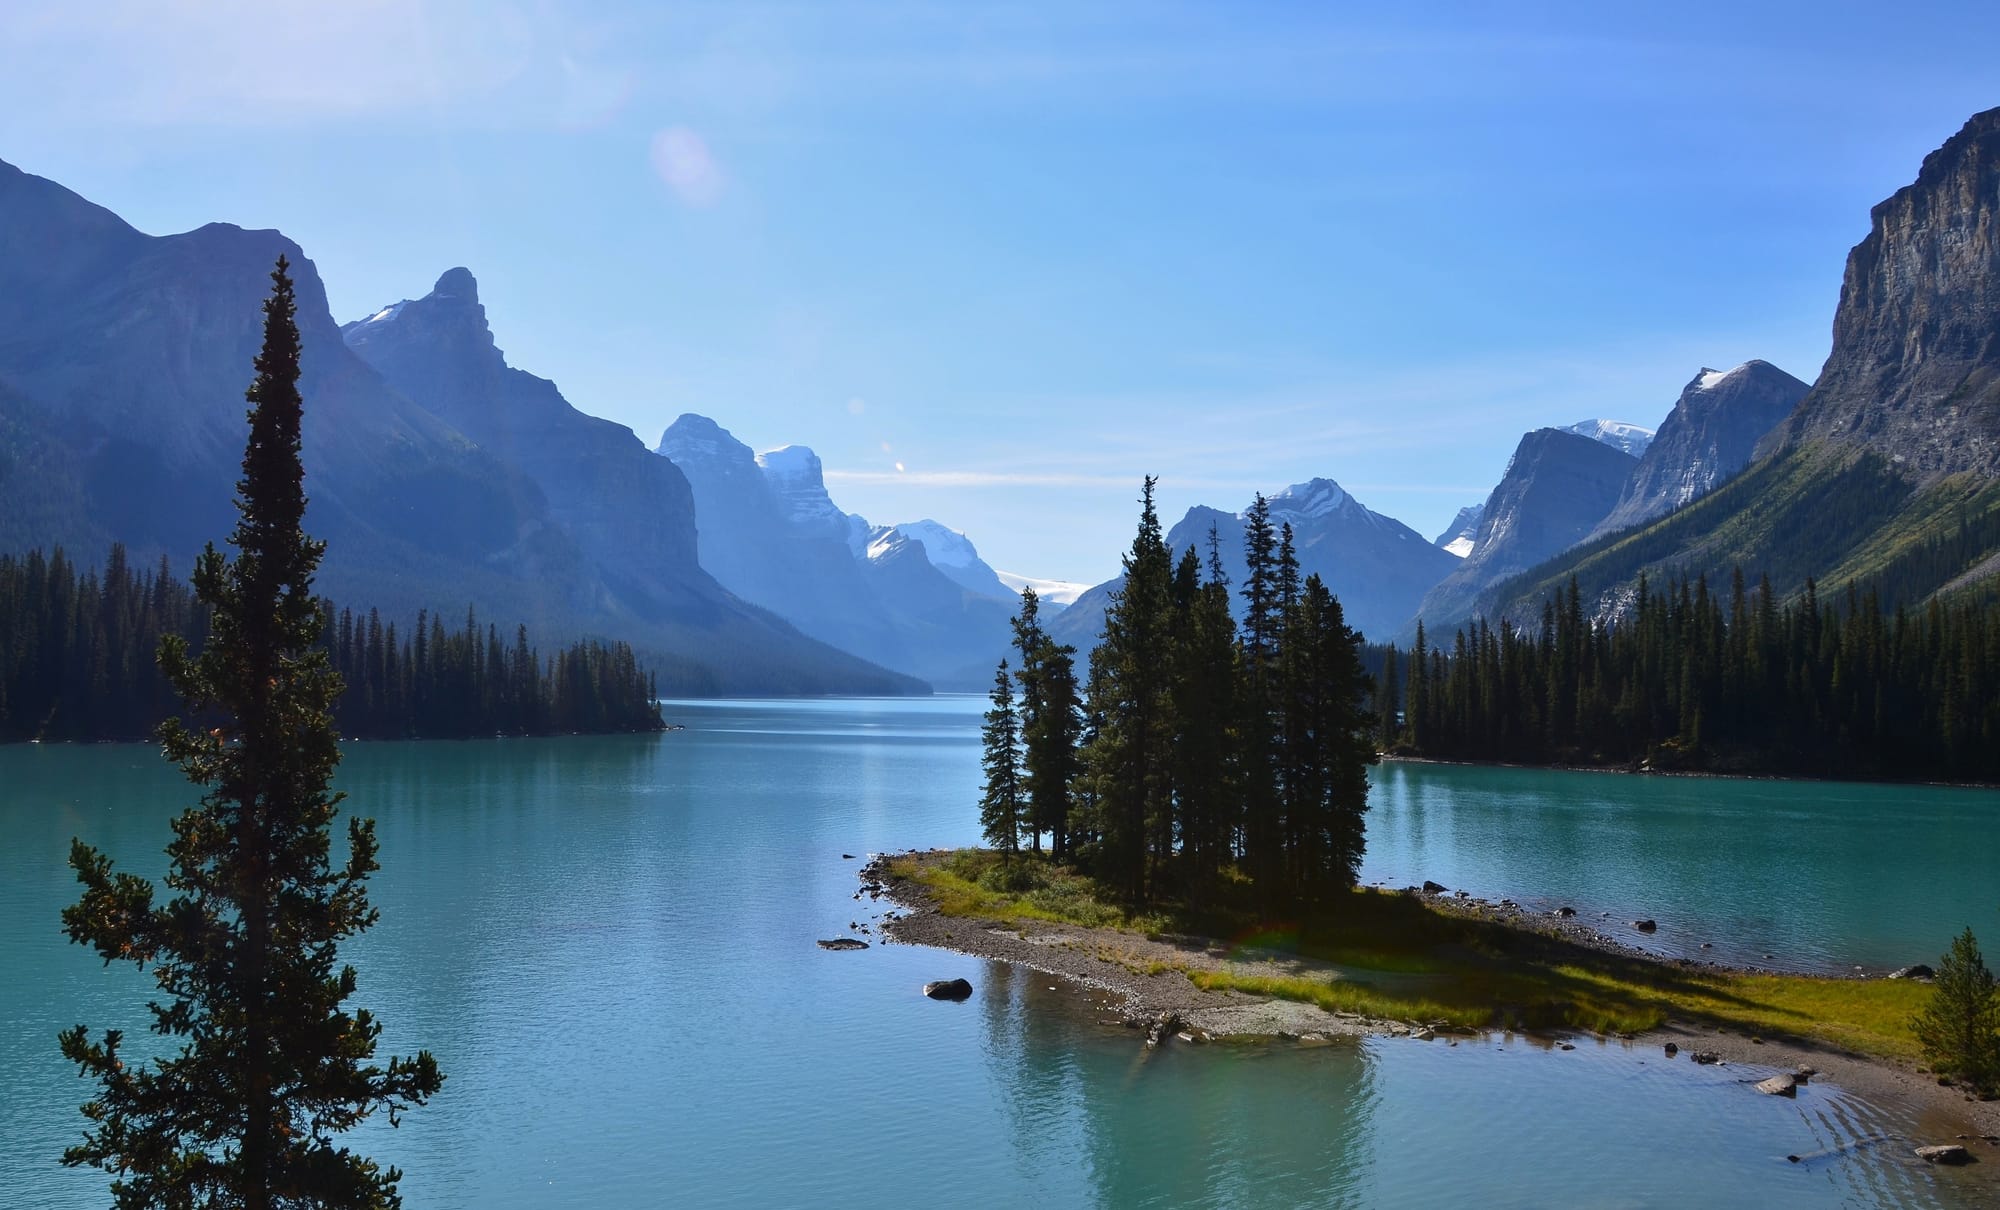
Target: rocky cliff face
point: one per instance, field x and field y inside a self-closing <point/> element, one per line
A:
<point x="627" y="509"/>
<point x="1557" y="488"/>
<point x="1711" y="434"/>
<point x="1894" y="455"/>
<point x="1915" y="369"/>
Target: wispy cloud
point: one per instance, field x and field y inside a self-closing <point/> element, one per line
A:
<point x="238" y="63"/>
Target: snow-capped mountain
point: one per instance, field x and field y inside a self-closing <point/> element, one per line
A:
<point x="1618" y="434"/>
<point x="948" y="550"/>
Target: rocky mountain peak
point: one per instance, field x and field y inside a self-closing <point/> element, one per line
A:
<point x="448" y="321"/>
<point x="1307" y="501"/>
<point x="694" y="438"/>
<point x="456" y="285"/>
<point x="1915" y="370"/>
<point x="1711" y="434"/>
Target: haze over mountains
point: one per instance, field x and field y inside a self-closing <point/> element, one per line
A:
<point x="916" y="598"/>
<point x="442" y="475"/>
<point x="125" y="356"/>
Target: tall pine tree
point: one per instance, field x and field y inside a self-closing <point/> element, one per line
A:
<point x="270" y="1067"/>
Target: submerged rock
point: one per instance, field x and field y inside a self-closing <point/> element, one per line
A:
<point x="948" y="989"/>
<point x="843" y="943"/>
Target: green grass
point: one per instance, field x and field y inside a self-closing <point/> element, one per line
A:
<point x="1399" y="959"/>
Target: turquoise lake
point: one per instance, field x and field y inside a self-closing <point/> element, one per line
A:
<point x="608" y="944"/>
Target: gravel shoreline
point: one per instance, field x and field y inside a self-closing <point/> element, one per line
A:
<point x="1156" y="997"/>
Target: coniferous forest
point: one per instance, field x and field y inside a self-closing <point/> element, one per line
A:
<point x="78" y="648"/>
<point x="1694" y="679"/>
<point x="1197" y="752"/>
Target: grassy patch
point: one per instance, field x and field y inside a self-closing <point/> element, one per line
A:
<point x="1399" y="959"/>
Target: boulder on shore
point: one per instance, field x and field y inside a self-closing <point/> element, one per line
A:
<point x="948" y="989"/>
<point x="1945" y="1153"/>
<point x="1434" y="888"/>
<point x="843" y="943"/>
<point x="1919" y="971"/>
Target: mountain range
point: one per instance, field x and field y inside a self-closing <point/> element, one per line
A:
<point x="123" y="361"/>
<point x="916" y="597"/>
<point x="441" y="475"/>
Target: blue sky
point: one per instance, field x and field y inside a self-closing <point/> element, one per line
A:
<point x="995" y="262"/>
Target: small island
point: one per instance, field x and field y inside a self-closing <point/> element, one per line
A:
<point x="1425" y="963"/>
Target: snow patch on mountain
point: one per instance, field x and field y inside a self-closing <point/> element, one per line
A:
<point x="1306" y="501"/>
<point x="1054" y="594"/>
<point x="1462" y="534"/>
<point x="948" y="550"/>
<point x="797" y="478"/>
<point x="1709" y="379"/>
<point x="1618" y="434"/>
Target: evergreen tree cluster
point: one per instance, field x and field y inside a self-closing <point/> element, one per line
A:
<point x="1694" y="678"/>
<point x="78" y="647"/>
<point x="1199" y="750"/>
<point x="455" y="684"/>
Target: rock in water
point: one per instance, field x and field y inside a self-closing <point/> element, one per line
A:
<point x="1432" y="888"/>
<point x="948" y="989"/>
<point x="1919" y="971"/>
<point x="1672" y="1050"/>
<point x="1704" y="1057"/>
<point x="843" y="943"/>
<point x="1646" y="926"/>
<point x="1945" y="1153"/>
<point x="1779" y="1086"/>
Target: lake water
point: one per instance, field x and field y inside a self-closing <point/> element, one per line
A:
<point x="608" y="943"/>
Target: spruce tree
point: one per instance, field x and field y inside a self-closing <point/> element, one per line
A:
<point x="1049" y="727"/>
<point x="1959" y="1028"/>
<point x="270" y="1068"/>
<point x="1130" y="754"/>
<point x="1001" y="803"/>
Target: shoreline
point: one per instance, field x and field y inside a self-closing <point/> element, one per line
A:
<point x="1149" y="975"/>
<point x="1632" y="770"/>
